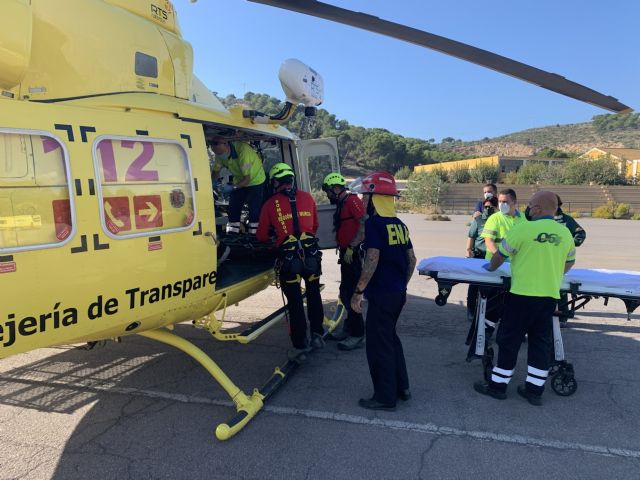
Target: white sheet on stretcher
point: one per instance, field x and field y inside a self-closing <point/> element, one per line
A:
<point x="595" y="281"/>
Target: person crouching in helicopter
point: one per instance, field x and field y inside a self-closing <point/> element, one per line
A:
<point x="348" y="223"/>
<point x="245" y="165"/>
<point x="293" y="215"/>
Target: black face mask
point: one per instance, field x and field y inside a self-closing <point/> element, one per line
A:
<point x="527" y="213"/>
<point x="332" y="200"/>
<point x="488" y="211"/>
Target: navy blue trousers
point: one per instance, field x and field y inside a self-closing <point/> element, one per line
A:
<point x="387" y="366"/>
<point x="292" y="289"/>
<point x="252" y="196"/>
<point x="349" y="276"/>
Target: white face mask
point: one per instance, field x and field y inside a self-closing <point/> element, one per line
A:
<point x="488" y="195"/>
<point x="504" y="208"/>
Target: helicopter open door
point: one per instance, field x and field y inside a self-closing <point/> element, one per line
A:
<point x="316" y="159"/>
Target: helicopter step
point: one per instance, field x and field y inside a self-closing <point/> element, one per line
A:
<point x="214" y="324"/>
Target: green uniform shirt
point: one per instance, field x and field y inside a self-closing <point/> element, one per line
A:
<point x="242" y="161"/>
<point x="579" y="235"/>
<point x="539" y="251"/>
<point x="475" y="229"/>
<point x="497" y="226"/>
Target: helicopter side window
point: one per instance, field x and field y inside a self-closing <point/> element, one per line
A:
<point x="319" y="166"/>
<point x="145" y="186"/>
<point x="35" y="191"/>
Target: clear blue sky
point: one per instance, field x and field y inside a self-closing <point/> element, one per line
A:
<point x="376" y="81"/>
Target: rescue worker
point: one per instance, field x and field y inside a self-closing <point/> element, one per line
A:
<point x="387" y="268"/>
<point x="245" y="165"/>
<point x="348" y="224"/>
<point x="579" y="236"/>
<point x="497" y="226"/>
<point x="495" y="229"/>
<point x="541" y="252"/>
<point x="476" y="247"/>
<point x="293" y="216"/>
<point x="489" y="191"/>
<point x="577" y="232"/>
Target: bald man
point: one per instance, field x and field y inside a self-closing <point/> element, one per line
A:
<point x="541" y="251"/>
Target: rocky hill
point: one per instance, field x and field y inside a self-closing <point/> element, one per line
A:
<point x="573" y="138"/>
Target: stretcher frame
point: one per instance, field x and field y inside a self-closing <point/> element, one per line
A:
<point x="561" y="373"/>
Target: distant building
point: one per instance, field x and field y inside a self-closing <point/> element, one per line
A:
<point x="628" y="159"/>
<point x="506" y="164"/>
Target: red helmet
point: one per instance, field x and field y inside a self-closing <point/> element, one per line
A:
<point x="380" y="183"/>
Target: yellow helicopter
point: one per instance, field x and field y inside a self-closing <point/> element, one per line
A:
<point x="107" y="216"/>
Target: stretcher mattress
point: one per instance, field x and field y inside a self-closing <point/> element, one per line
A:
<point x="599" y="282"/>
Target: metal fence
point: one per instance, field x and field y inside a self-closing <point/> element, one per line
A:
<point x="467" y="205"/>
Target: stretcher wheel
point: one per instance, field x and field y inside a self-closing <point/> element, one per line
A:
<point x="564" y="384"/>
<point x="441" y="301"/>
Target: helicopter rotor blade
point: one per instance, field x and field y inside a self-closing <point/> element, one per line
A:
<point x="493" y="61"/>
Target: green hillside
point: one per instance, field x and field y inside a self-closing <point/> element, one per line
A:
<point x="613" y="131"/>
<point x="365" y="149"/>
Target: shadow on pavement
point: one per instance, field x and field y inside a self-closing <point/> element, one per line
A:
<point x="130" y="433"/>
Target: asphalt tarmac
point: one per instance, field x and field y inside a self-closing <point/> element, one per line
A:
<point x="141" y="410"/>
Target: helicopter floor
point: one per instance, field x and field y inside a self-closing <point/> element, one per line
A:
<point x="235" y="270"/>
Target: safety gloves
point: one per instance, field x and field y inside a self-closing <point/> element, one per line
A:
<point x="348" y="256"/>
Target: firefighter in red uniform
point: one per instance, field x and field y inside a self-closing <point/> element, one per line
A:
<point x="348" y="223"/>
<point x="293" y="216"/>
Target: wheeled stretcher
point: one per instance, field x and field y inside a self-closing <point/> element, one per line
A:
<point x="580" y="285"/>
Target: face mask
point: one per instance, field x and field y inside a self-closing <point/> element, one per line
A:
<point x="504" y="208"/>
<point x="488" y="195"/>
<point x="488" y="211"/>
<point x="527" y="213"/>
<point x="223" y="156"/>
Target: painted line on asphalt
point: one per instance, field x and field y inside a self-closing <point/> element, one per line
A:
<point x="427" y="428"/>
<point x="433" y="429"/>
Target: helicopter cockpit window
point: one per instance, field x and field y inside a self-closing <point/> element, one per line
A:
<point x="35" y="206"/>
<point x="271" y="154"/>
<point x="145" y="186"/>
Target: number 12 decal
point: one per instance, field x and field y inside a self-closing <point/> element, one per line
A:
<point x="135" y="172"/>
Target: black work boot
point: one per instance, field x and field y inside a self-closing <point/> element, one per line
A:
<point x="488" y="389"/>
<point x="404" y="395"/>
<point x="373" y="404"/>
<point x="532" y="398"/>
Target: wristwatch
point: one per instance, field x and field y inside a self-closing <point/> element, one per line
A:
<point x="358" y="292"/>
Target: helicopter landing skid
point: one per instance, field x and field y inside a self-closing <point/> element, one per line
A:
<point x="247" y="406"/>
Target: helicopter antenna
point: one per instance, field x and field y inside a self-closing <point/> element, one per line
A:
<point x="550" y="81"/>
